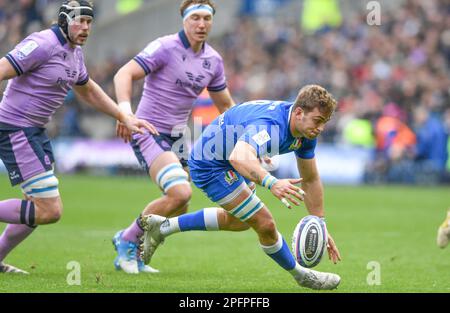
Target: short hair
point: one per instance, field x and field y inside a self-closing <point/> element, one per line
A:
<point x="315" y="96"/>
<point x="186" y="3"/>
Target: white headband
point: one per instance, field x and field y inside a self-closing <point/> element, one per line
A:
<point x="197" y="8"/>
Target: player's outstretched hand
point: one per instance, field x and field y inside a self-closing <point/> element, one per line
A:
<point x="333" y="251"/>
<point x="133" y="125"/>
<point x="123" y="132"/>
<point x="285" y="189"/>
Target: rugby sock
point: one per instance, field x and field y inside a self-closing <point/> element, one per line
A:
<point x="12" y="236"/>
<point x="15" y="211"/>
<point x="280" y="253"/>
<point x="205" y="219"/>
<point x="134" y="232"/>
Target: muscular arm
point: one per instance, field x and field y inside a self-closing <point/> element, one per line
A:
<point x="6" y="70"/>
<point x="94" y="95"/>
<point x="312" y="186"/>
<point x="222" y="100"/>
<point x="244" y="159"/>
<point x="123" y="80"/>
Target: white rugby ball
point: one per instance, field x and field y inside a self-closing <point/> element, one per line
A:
<point x="309" y="241"/>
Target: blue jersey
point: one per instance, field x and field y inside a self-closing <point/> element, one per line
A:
<point x="262" y="124"/>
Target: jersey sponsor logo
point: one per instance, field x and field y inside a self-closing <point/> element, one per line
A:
<point x="296" y="144"/>
<point x="27" y="49"/>
<point x="66" y="83"/>
<point x="231" y="177"/>
<point x="71" y="74"/>
<point x="262" y="137"/>
<point x="194" y="82"/>
<point x="152" y="48"/>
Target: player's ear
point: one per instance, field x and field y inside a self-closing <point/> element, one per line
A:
<point x="299" y="112"/>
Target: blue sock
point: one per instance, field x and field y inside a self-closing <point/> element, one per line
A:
<point x="206" y="219"/>
<point x="281" y="254"/>
<point x="192" y="221"/>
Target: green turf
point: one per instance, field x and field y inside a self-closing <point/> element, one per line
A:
<point x="394" y="226"/>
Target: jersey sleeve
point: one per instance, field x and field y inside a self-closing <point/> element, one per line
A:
<point x="83" y="77"/>
<point x="29" y="55"/>
<point x="263" y="136"/>
<point x="218" y="83"/>
<point x="306" y="151"/>
<point x="153" y="57"/>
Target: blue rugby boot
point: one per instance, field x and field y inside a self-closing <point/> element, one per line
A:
<point x="126" y="259"/>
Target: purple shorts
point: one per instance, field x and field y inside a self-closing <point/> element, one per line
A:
<point x="26" y="152"/>
<point x="148" y="147"/>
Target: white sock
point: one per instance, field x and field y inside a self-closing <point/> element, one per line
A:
<point x="211" y="220"/>
<point x="298" y="271"/>
<point x="170" y="226"/>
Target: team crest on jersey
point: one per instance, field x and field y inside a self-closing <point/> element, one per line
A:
<point x="231" y="177"/>
<point x="206" y="64"/>
<point x="296" y="144"/>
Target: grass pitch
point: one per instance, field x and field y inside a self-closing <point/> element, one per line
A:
<point x="393" y="226"/>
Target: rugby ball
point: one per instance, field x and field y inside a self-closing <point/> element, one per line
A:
<point x="309" y="241"/>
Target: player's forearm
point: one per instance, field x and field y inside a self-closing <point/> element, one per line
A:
<point x="314" y="196"/>
<point x="123" y="85"/>
<point x="251" y="170"/>
<point x="94" y="95"/>
<point x="247" y="164"/>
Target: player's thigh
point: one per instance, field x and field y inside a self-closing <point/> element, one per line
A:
<point x="230" y="190"/>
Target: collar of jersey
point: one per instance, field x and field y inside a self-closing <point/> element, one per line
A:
<point x="185" y="40"/>
<point x="55" y="28"/>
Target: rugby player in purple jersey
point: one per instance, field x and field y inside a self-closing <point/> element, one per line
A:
<point x="41" y="70"/>
<point x="176" y="68"/>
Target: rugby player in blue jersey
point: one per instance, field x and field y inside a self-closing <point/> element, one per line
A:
<point x="225" y="160"/>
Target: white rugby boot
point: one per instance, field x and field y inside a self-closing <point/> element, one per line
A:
<point x="316" y="280"/>
<point x="443" y="235"/>
<point x="152" y="235"/>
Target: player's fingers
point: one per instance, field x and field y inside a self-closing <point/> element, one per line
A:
<point x="286" y="203"/>
<point x="292" y="199"/>
<point x="149" y="127"/>
<point x="295" y="180"/>
<point x="296" y="193"/>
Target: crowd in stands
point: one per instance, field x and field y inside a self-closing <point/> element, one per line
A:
<point x="392" y="80"/>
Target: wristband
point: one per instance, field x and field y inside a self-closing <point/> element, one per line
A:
<point x="125" y="107"/>
<point x="268" y="181"/>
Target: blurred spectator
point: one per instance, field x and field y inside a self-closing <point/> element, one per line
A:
<point x="395" y="143"/>
<point x="431" y="149"/>
<point x="319" y="14"/>
<point x="128" y="6"/>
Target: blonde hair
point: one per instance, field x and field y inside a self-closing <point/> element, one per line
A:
<point x="315" y="96"/>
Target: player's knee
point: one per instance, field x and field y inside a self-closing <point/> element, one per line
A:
<point x="267" y="228"/>
<point x="49" y="213"/>
<point x="180" y="197"/>
<point x="235" y="223"/>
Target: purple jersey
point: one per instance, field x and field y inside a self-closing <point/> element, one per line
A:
<point x="175" y="78"/>
<point x="47" y="68"/>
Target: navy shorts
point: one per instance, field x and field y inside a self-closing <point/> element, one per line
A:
<point x="26" y="152"/>
<point x="148" y="147"/>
